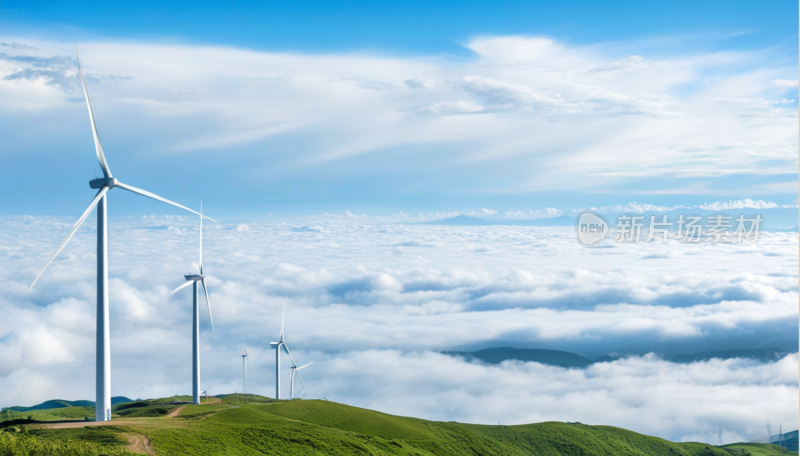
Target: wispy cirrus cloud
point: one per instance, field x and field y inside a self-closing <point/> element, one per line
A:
<point x="502" y="121"/>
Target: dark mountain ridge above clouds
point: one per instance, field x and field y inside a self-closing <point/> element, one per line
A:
<point x="773" y="219"/>
<point x="465" y="220"/>
<point x="567" y="359"/>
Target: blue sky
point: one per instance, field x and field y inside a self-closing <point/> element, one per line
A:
<point x="402" y="26"/>
<point x="402" y="106"/>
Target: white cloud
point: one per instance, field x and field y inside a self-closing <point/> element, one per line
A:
<point x="503" y="121"/>
<point x="739" y="204"/>
<point x="745" y="203"/>
<point x="785" y="82"/>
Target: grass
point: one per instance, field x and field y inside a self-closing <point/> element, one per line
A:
<point x="192" y="411"/>
<point x="23" y="444"/>
<point x="756" y="449"/>
<point x="56" y="414"/>
<point x="99" y="435"/>
<point x="254" y="425"/>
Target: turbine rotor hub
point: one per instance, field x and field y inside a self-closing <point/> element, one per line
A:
<point x="109" y="182"/>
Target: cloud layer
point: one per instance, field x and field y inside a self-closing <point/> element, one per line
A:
<point x="521" y="115"/>
<point x="370" y="302"/>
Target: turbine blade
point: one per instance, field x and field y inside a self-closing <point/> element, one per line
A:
<point x="208" y="303"/>
<point x="283" y="319"/>
<point x="98" y="148"/>
<point x="156" y="197"/>
<point x="301" y="367"/>
<point x="290" y="355"/>
<point x="201" y="237"/>
<point x="301" y="382"/>
<point x="182" y="286"/>
<point x="77" y="225"/>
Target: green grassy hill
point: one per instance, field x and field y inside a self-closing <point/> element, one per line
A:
<point x="254" y="425"/>
<point x="55" y="414"/>
<point x="756" y="449"/>
<point x="60" y="403"/>
<point x="789" y="440"/>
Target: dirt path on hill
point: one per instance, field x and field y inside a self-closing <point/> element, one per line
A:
<point x="140" y="444"/>
<point x="175" y="412"/>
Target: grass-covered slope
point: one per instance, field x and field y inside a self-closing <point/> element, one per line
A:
<point x="60" y="403"/>
<point x="789" y="440"/>
<point x="52" y="404"/>
<point x="756" y="449"/>
<point x="55" y="414"/>
<point x="19" y="444"/>
<point x="253" y="425"/>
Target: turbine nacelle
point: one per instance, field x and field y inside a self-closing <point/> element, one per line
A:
<point x="194" y="277"/>
<point x="109" y="182"/>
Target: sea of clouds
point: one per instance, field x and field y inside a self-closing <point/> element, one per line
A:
<point x="372" y="304"/>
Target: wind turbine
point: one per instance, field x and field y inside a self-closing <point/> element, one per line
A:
<point x="192" y="279"/>
<point x="278" y="346"/>
<point x="295" y="369"/>
<point x="104" y="185"/>
<point x="245" y="357"/>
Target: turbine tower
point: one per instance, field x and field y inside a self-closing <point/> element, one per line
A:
<point x="192" y="279"/>
<point x="245" y="357"/>
<point x="278" y="346"/>
<point x="104" y="185"/>
<point x="295" y="370"/>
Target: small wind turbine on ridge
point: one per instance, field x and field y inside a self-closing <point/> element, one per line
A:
<point x="245" y="357"/>
<point x="295" y="370"/>
<point x="277" y="346"/>
<point x="192" y="279"/>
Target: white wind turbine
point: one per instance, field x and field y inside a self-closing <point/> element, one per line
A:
<point x="245" y="357"/>
<point x="278" y="346"/>
<point x="295" y="370"/>
<point x="192" y="279"/>
<point x="104" y="185"/>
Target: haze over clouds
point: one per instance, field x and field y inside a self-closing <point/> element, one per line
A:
<point x="524" y="115"/>
<point x="370" y="302"/>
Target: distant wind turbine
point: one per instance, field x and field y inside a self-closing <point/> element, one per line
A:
<point x="295" y="370"/>
<point x="278" y="345"/>
<point x="192" y="279"/>
<point x="245" y="357"/>
<point x="104" y="185"/>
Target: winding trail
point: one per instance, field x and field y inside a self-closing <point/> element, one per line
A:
<point x="175" y="412"/>
<point x="140" y="444"/>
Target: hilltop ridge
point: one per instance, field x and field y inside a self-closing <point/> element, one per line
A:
<point x="255" y="425"/>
